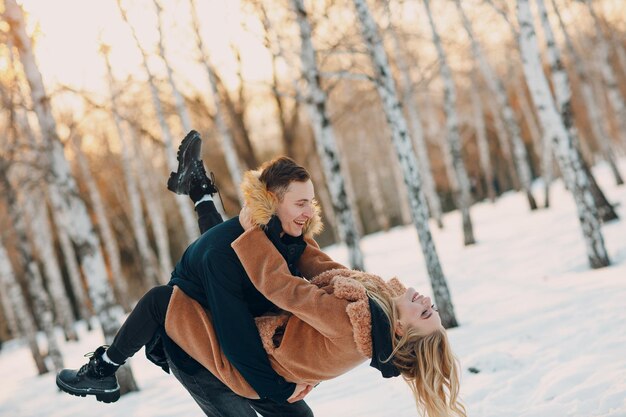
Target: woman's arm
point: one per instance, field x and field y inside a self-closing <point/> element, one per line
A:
<point x="313" y="261"/>
<point x="270" y="274"/>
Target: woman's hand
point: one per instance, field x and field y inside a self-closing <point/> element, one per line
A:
<point x="300" y="392"/>
<point x="245" y="219"/>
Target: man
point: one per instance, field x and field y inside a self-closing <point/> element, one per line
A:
<point x="210" y="272"/>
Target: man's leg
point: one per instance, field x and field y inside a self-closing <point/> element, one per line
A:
<point x="214" y="398"/>
<point x="269" y="408"/>
<point x="97" y="377"/>
<point x="191" y="179"/>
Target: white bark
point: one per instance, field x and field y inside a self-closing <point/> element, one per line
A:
<point x="73" y="270"/>
<point x="484" y="154"/>
<point x="568" y="158"/>
<point x="148" y="260"/>
<point x="18" y="305"/>
<point x="529" y="116"/>
<point x="9" y="299"/>
<point x="563" y="93"/>
<point x="593" y="106"/>
<point x="541" y="142"/>
<point x="463" y="197"/>
<point x="398" y="178"/>
<point x="183" y="202"/>
<point x="67" y="201"/>
<point x="497" y="88"/>
<point x="71" y="264"/>
<point x="228" y="144"/>
<point x="33" y="202"/>
<point x="109" y="241"/>
<point x="42" y="305"/>
<point x="417" y="133"/>
<point x="326" y="141"/>
<point x="406" y="157"/>
<point x="41" y="232"/>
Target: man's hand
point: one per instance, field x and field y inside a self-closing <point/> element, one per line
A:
<point x="300" y="392"/>
<point x="245" y="219"/>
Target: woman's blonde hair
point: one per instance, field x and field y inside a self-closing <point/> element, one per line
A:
<point x="426" y="362"/>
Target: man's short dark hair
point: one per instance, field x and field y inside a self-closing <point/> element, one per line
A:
<point x="278" y="173"/>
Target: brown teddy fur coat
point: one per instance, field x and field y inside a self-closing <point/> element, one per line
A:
<point x="328" y="329"/>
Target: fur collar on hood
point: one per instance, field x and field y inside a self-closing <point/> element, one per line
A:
<point x="262" y="204"/>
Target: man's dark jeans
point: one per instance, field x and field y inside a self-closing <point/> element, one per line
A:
<point x="217" y="400"/>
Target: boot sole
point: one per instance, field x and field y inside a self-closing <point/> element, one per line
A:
<point x="173" y="183"/>
<point x="105" y="396"/>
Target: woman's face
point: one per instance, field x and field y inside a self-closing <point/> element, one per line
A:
<point x="296" y="207"/>
<point x="416" y="311"/>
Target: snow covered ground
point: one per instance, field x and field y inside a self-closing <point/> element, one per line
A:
<point x="546" y="333"/>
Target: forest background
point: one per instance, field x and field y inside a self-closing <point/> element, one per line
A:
<point x="401" y="111"/>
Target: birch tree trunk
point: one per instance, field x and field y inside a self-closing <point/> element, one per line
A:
<point x="154" y="209"/>
<point x="368" y="153"/>
<point x="402" y="143"/>
<point x="109" y="241"/>
<point x="417" y="134"/>
<point x="148" y="260"/>
<point x="618" y="46"/>
<point x="505" y="144"/>
<point x="568" y="158"/>
<point x="484" y="155"/>
<point x="42" y="305"/>
<point x="69" y="203"/>
<point x="9" y="299"/>
<point x="616" y="100"/>
<point x="184" y="206"/>
<point x="463" y="197"/>
<point x="437" y="134"/>
<point x="289" y="121"/>
<point x="34" y="203"/>
<point x="228" y="146"/>
<point x="274" y="45"/>
<point x="73" y="271"/>
<point x="497" y="88"/>
<point x="326" y="142"/>
<point x="406" y="213"/>
<point x="563" y="93"/>
<point x="20" y="309"/>
<point x="529" y="117"/>
<point x="179" y="102"/>
<point x="42" y="239"/>
<point x="591" y="104"/>
<point x="236" y="116"/>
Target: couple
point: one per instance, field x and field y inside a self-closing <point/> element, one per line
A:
<point x="243" y="332"/>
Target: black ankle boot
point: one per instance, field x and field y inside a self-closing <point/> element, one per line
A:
<point x="96" y="377"/>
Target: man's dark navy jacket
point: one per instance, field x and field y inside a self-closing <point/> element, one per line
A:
<point x="210" y="272"/>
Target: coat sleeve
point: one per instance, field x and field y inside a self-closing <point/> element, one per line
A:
<point x="270" y="274"/>
<point x="236" y="330"/>
<point x="313" y="261"/>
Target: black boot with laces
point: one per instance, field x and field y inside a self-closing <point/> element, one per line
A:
<point x="190" y="177"/>
<point x="97" y="377"/>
